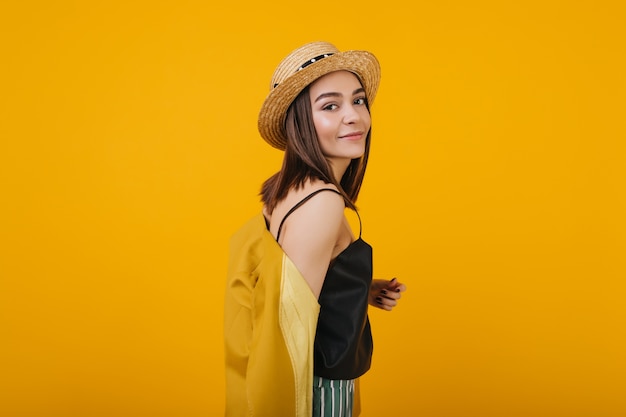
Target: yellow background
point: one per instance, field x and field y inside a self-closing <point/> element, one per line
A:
<point x="129" y="154"/>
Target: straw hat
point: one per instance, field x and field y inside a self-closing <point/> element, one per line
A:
<point x="299" y="69"/>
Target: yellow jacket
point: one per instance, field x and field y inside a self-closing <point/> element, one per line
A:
<point x="270" y="317"/>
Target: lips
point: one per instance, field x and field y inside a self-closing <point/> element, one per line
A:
<point x="352" y="135"/>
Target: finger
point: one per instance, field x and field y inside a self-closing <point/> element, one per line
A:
<point x="401" y="288"/>
<point x="379" y="302"/>
<point x="397" y="287"/>
<point x="386" y="302"/>
<point x="393" y="295"/>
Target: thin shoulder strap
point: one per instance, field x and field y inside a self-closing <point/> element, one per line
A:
<point x="360" y="223"/>
<point x="301" y="202"/>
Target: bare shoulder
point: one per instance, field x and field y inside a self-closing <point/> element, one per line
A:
<point x="323" y="207"/>
<point x="310" y="234"/>
<point x="321" y="213"/>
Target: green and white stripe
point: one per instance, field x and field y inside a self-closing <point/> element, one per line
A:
<point x="332" y="397"/>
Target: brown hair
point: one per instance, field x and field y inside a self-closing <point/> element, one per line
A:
<point x="304" y="159"/>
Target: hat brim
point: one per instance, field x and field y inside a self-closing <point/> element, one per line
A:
<point x="273" y="112"/>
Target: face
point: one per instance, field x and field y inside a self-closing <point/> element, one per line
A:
<point x="340" y="115"/>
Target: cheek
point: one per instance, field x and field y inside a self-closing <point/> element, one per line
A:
<point x="324" y="127"/>
<point x="367" y="119"/>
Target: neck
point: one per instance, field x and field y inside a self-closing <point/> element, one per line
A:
<point x="339" y="168"/>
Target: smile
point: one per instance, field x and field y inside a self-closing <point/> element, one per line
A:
<point x="352" y="136"/>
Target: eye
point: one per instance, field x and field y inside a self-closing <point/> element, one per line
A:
<point x="360" y="101"/>
<point x="330" y="107"/>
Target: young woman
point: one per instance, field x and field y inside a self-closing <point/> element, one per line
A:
<point x="297" y="334"/>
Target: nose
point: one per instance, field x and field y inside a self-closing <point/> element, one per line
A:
<point x="351" y="115"/>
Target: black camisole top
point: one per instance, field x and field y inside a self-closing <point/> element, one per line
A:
<point x="343" y="339"/>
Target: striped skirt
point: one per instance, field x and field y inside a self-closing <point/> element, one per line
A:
<point x="332" y="397"/>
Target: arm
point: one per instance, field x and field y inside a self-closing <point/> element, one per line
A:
<point x="310" y="235"/>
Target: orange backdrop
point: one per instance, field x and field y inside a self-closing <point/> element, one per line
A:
<point x="129" y="154"/>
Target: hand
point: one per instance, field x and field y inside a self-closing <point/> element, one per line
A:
<point x="385" y="294"/>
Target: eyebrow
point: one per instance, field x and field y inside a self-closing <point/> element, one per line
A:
<point x="333" y="94"/>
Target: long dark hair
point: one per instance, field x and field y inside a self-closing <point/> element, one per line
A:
<point x="304" y="159"/>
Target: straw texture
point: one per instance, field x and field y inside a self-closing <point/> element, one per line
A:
<point x="289" y="79"/>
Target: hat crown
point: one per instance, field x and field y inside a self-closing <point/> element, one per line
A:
<point x="303" y="56"/>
